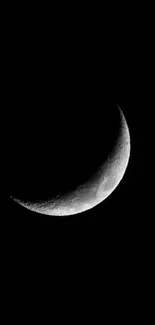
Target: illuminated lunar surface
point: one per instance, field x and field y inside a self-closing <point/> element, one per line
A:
<point x="93" y="192"/>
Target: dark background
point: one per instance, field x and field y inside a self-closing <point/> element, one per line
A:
<point x="56" y="99"/>
<point x="58" y="126"/>
<point x="56" y="74"/>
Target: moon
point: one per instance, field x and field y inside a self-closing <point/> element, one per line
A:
<point x="97" y="188"/>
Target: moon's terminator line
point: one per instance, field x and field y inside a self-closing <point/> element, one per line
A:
<point x="94" y="191"/>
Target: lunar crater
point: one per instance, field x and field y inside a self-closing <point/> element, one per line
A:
<point x="73" y="169"/>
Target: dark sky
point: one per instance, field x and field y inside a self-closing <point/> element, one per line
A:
<point x="62" y="127"/>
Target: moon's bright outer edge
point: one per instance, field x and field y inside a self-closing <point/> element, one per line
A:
<point x="94" y="191"/>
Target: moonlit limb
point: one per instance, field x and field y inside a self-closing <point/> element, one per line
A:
<point x="97" y="190"/>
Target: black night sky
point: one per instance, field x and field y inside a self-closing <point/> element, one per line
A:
<point x="67" y="127"/>
<point x="57" y="110"/>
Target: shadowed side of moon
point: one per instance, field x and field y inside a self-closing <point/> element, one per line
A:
<point x="50" y="158"/>
<point x="99" y="181"/>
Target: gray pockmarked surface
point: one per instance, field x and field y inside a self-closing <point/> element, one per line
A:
<point x="103" y="183"/>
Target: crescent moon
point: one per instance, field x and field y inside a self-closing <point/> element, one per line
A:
<point x="96" y="190"/>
